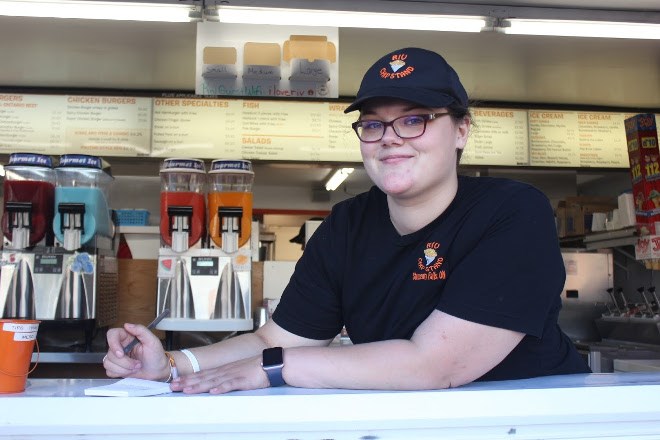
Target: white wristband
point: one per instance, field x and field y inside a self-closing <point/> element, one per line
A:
<point x="193" y="360"/>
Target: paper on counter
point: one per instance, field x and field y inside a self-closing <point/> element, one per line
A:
<point x="130" y="387"/>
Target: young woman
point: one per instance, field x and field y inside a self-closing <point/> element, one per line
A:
<point x="439" y="279"/>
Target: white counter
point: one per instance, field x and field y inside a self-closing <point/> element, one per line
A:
<point x="614" y="405"/>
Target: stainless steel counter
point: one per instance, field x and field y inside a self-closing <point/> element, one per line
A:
<point x="616" y="405"/>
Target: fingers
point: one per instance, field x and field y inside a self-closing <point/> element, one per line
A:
<point x="124" y="366"/>
<point x="144" y="335"/>
<point x="145" y="360"/>
<point x="115" y="336"/>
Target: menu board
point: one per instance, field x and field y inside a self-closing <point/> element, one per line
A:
<point x="553" y="138"/>
<point x="498" y="137"/>
<point x="200" y="128"/>
<point x="97" y="125"/>
<point x="253" y="129"/>
<point x="288" y="130"/>
<point x="577" y="139"/>
<point x="343" y="143"/>
<point x="602" y="139"/>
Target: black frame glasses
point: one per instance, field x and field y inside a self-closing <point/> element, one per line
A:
<point x="406" y="127"/>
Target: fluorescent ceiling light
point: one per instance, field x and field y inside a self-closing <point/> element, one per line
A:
<point x="575" y="28"/>
<point x="96" y="10"/>
<point x="338" y="178"/>
<point x="310" y="17"/>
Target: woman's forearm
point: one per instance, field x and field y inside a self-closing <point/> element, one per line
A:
<point x="220" y="353"/>
<point x="392" y="365"/>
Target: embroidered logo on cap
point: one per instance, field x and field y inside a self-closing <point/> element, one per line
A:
<point x="397" y="63"/>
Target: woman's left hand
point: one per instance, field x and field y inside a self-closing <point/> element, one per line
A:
<point x="244" y="374"/>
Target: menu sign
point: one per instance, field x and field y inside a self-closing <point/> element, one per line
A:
<point x="201" y="128"/>
<point x="577" y="139"/>
<point x="284" y="130"/>
<point x="498" y="137"/>
<point x="97" y="125"/>
<point x="602" y="140"/>
<point x="343" y="143"/>
<point x="553" y="138"/>
<point x="253" y="129"/>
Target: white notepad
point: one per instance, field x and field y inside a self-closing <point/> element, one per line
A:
<point x="130" y="387"/>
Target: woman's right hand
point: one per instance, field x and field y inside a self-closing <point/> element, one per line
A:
<point x="147" y="360"/>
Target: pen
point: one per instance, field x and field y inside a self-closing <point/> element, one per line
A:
<point x="151" y="325"/>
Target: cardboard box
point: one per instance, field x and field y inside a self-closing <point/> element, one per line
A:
<point x="574" y="215"/>
<point x="591" y="200"/>
<point x="644" y="157"/>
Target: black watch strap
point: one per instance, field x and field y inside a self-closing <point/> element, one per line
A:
<point x="272" y="361"/>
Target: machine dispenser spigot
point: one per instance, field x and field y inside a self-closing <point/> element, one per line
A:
<point x="19" y="216"/>
<point x="230" y="226"/>
<point x="71" y="224"/>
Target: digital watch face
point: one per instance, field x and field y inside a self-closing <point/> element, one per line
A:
<point x="204" y="266"/>
<point x="49" y="263"/>
<point x="272" y="357"/>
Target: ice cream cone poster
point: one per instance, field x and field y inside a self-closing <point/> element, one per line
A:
<point x="266" y="61"/>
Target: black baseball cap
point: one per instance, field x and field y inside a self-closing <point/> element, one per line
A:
<point x="413" y="74"/>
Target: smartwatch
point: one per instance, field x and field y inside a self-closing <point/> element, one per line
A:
<point x="272" y="361"/>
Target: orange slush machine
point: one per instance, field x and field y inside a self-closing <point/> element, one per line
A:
<point x="204" y="276"/>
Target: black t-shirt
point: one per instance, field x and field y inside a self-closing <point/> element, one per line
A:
<point x="492" y="257"/>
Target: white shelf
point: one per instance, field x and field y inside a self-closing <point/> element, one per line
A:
<point x="609" y="239"/>
<point x="68" y="358"/>
<point x="139" y="229"/>
<point x="205" y="325"/>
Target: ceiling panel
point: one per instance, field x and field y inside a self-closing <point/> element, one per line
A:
<point x="531" y="70"/>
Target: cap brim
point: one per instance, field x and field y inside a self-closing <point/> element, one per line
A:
<point x="300" y="239"/>
<point x="425" y="98"/>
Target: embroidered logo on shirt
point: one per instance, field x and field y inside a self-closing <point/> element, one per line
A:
<point x="398" y="62"/>
<point x="429" y="265"/>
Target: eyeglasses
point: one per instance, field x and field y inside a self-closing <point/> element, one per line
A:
<point x="406" y="127"/>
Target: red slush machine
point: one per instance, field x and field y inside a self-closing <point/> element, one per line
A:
<point x="29" y="194"/>
<point x="182" y="232"/>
